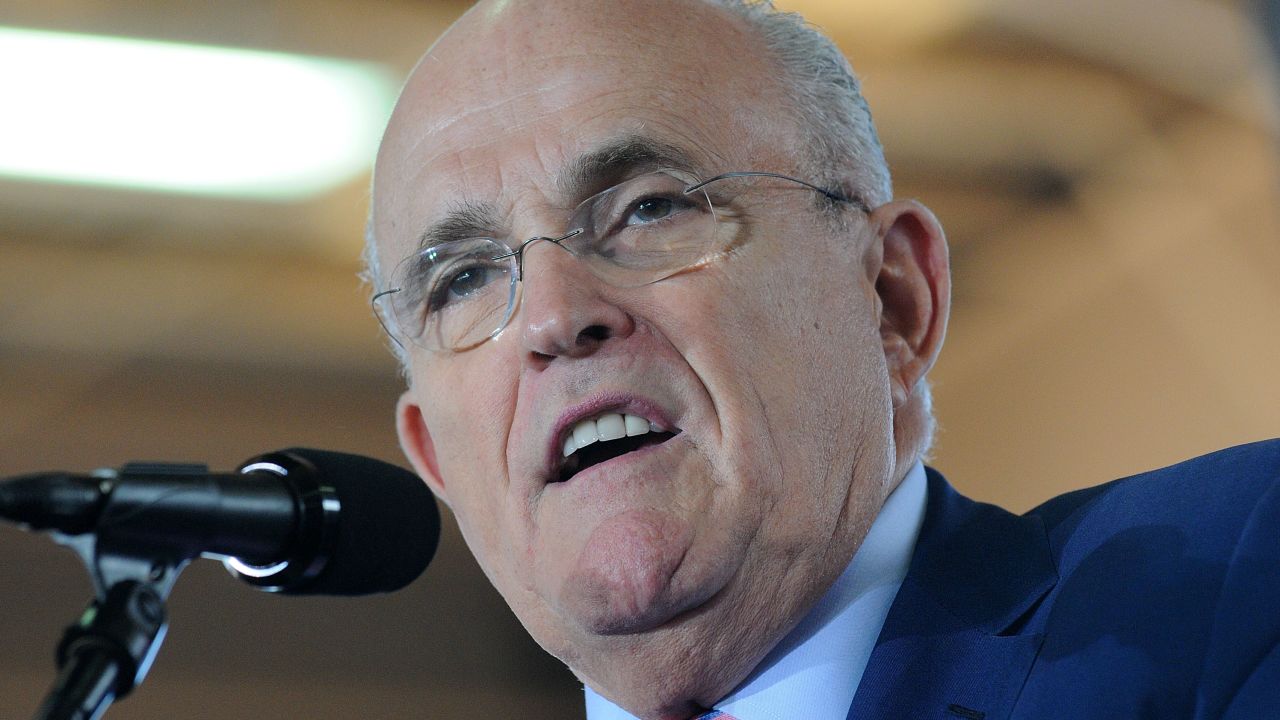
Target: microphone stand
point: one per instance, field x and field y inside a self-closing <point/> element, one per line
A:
<point x="105" y="654"/>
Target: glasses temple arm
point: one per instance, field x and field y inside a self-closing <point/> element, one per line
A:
<point x="830" y="194"/>
<point x="377" y="314"/>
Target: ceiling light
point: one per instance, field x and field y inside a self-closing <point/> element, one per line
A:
<point x="185" y="118"/>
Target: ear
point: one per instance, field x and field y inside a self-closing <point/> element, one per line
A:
<point x="913" y="284"/>
<point x="415" y="441"/>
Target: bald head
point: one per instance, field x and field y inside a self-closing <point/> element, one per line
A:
<point x="510" y="66"/>
<point x="779" y="61"/>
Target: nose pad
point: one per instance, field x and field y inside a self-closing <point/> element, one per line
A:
<point x="519" y="252"/>
<point x="564" y="309"/>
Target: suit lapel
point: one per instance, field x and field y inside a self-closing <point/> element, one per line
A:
<point x="951" y="646"/>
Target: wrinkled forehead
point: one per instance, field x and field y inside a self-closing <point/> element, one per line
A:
<point x="517" y="93"/>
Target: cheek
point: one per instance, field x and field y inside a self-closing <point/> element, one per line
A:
<point x="810" y="320"/>
<point x="470" y="431"/>
<point x="789" y="350"/>
<point x="467" y="407"/>
<point x="781" y="326"/>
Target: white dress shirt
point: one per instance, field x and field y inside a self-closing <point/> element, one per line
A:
<point x="814" y="672"/>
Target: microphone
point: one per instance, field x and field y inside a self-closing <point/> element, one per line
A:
<point x="298" y="521"/>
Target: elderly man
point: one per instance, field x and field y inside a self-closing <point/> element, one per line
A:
<point x="667" y="334"/>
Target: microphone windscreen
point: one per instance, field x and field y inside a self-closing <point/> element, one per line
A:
<point x="388" y="529"/>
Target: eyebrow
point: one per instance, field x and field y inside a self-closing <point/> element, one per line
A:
<point x="463" y="220"/>
<point x="614" y="161"/>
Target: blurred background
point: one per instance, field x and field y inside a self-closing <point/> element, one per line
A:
<point x="1106" y="171"/>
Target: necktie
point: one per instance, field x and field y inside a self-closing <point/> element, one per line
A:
<point x="715" y="715"/>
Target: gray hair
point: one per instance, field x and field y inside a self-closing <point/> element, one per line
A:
<point x="842" y="145"/>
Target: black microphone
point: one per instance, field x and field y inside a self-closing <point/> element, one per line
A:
<point x="297" y="521"/>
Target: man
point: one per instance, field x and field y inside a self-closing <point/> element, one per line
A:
<point x="667" y="336"/>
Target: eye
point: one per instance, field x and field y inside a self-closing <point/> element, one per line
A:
<point x="639" y="222"/>
<point x="469" y="281"/>
<point x="651" y="209"/>
<point x="461" y="281"/>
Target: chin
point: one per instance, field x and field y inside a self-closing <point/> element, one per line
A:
<point x="604" y="603"/>
<point x="626" y="578"/>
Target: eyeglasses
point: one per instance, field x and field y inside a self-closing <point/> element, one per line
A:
<point x="455" y="295"/>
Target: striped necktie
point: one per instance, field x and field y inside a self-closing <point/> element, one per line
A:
<point x="715" y="715"/>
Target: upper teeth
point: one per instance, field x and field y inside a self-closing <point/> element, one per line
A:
<point x="609" y="426"/>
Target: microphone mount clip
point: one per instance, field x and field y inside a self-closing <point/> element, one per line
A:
<point x="107" y="652"/>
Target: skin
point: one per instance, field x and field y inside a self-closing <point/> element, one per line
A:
<point x="791" y="367"/>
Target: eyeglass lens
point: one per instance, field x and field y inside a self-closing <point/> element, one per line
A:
<point x="458" y="294"/>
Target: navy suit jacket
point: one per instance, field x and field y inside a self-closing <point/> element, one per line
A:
<point x="1155" y="596"/>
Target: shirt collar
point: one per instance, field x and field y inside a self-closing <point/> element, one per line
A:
<point x="819" y="664"/>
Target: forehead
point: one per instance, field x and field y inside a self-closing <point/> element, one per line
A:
<point x="517" y="91"/>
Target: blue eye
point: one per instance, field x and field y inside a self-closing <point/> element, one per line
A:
<point x="652" y="209"/>
<point x="461" y="283"/>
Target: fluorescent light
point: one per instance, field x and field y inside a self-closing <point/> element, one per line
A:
<point x="185" y="118"/>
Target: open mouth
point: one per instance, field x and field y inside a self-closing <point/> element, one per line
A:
<point x="599" y="439"/>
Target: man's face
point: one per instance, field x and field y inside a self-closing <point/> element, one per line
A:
<point x="763" y="369"/>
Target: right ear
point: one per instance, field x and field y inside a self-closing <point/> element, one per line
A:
<point x="415" y="441"/>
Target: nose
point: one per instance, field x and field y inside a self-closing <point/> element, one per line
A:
<point x="564" y="309"/>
